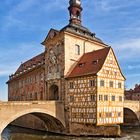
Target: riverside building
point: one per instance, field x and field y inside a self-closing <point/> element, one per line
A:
<point x="77" y="69"/>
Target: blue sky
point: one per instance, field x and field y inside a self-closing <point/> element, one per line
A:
<point x="25" y="23"/>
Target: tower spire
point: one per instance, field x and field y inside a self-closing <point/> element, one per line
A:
<point x="75" y="11"/>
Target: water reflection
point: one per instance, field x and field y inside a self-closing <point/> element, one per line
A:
<point x="12" y="133"/>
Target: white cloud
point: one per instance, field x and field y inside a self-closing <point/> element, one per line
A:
<point x="114" y="5"/>
<point x="22" y="8"/>
<point x="129" y="48"/>
<point x="132" y="67"/>
<point x="7" y="71"/>
<point x="135" y="75"/>
<point x="10" y="59"/>
<point x="13" y="18"/>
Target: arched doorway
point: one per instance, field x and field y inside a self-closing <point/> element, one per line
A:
<point x="54" y="92"/>
<point x="130" y="117"/>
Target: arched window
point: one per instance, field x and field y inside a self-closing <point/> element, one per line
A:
<point x="78" y="14"/>
<point x="77" y="49"/>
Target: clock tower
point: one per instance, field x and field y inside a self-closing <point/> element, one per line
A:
<point x="75" y="10"/>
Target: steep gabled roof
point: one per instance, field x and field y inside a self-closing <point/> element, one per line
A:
<point x="34" y="61"/>
<point x="90" y="63"/>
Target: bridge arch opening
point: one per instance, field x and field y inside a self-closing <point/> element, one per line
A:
<point x="54" y="92"/>
<point x="51" y="123"/>
<point x="130" y="117"/>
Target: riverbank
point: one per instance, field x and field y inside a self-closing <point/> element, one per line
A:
<point x="16" y="133"/>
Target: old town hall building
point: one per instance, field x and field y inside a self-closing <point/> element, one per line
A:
<point x="77" y="69"/>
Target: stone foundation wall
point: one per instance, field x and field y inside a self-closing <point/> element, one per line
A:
<point x="91" y="130"/>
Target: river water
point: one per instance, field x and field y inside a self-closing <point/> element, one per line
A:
<point x="12" y="133"/>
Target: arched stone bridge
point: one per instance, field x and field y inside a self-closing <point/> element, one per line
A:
<point x="132" y="110"/>
<point x="51" y="112"/>
<point x="48" y="111"/>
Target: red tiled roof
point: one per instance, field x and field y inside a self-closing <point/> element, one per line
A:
<point x="90" y="63"/>
<point x="34" y="61"/>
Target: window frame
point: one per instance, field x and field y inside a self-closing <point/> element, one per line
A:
<point x="71" y="85"/>
<point x="120" y="98"/>
<point x="77" y="49"/>
<point x="105" y="97"/>
<point x="93" y="98"/>
<point x="113" y="98"/>
<point x="92" y="83"/>
<point x="111" y="84"/>
<point x="102" y="83"/>
<point x="100" y="97"/>
<point x="119" y="85"/>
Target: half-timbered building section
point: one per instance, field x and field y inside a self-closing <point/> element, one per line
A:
<point x="82" y="87"/>
<point x="110" y="94"/>
<point x="27" y="83"/>
<point x="82" y="99"/>
<point x="99" y="80"/>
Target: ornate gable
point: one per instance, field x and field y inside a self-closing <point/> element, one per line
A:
<point x="52" y="33"/>
<point x="111" y="67"/>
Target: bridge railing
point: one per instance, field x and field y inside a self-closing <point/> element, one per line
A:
<point x="131" y="101"/>
<point x="27" y="102"/>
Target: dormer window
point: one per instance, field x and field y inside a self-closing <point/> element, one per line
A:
<point x="78" y="14"/>
<point x="81" y="64"/>
<point x="94" y="62"/>
<point x="77" y="49"/>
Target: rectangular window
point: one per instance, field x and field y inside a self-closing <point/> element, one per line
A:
<point x="111" y="84"/>
<point x="92" y="98"/>
<point x="77" y="49"/>
<point x="57" y="68"/>
<point x="115" y="73"/>
<point x="92" y="83"/>
<point x="113" y="98"/>
<point x="71" y="98"/>
<point x="110" y="114"/>
<point x="35" y="96"/>
<point x="107" y="115"/>
<point x="94" y="62"/>
<point x="105" y="97"/>
<point x="31" y="80"/>
<point x="81" y="115"/>
<point x="119" y="114"/>
<point x="102" y="83"/>
<point x="30" y="96"/>
<point x="100" y="97"/>
<point x="120" y="98"/>
<point x="81" y="64"/>
<point x="119" y="85"/>
<point x="100" y="115"/>
<point x="71" y="85"/>
<point x="90" y="115"/>
<point x="73" y="115"/>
